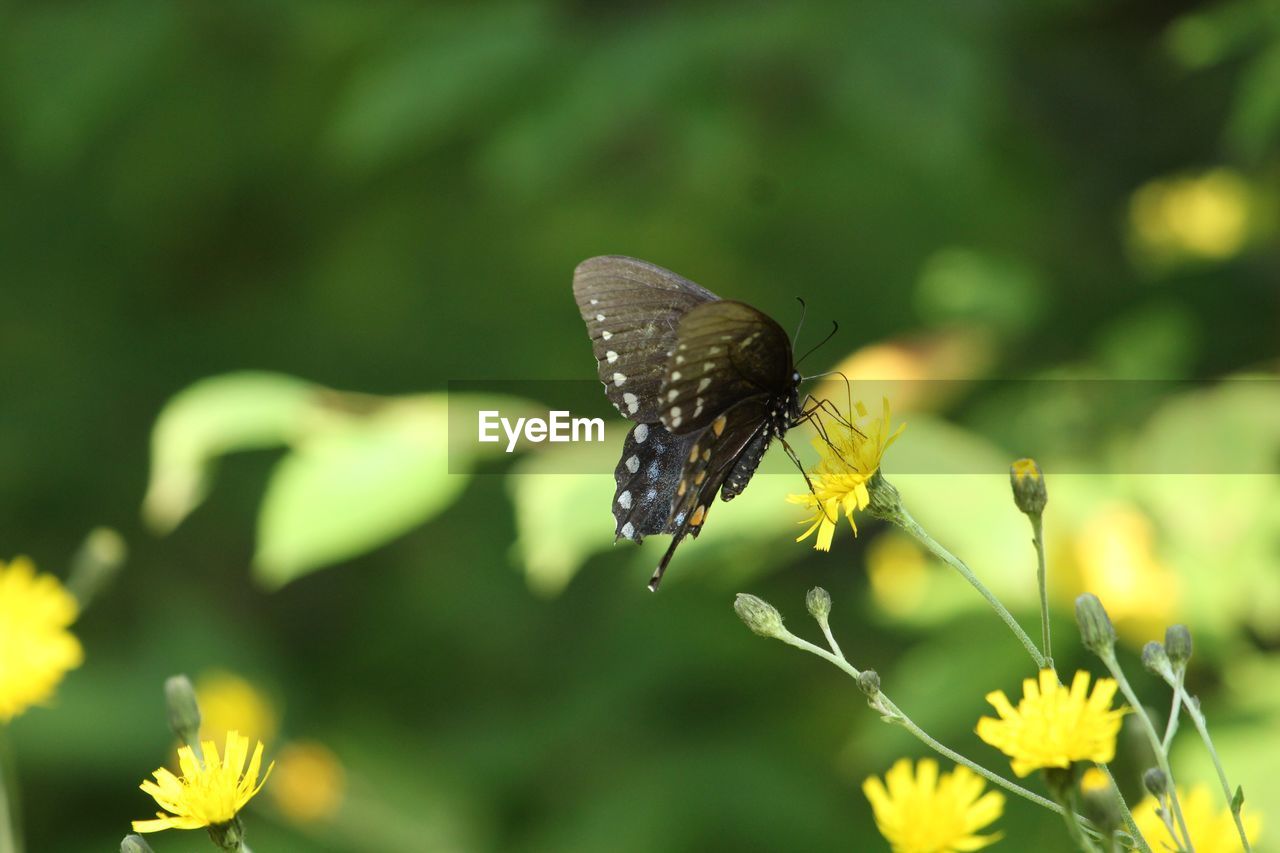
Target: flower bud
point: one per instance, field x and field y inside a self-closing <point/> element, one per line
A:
<point x="96" y="564"/>
<point x="885" y="502"/>
<point x="1156" y="660"/>
<point x="818" y="600"/>
<point x="759" y="615"/>
<point x="135" y="844"/>
<point x="1177" y="645"/>
<point x="184" y="711"/>
<point x="1096" y="631"/>
<point x="869" y="682"/>
<point x="1099" y="801"/>
<point x="1029" y="493"/>
<point x="1156" y="782"/>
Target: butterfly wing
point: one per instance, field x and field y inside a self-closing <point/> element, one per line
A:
<point x="647" y="477"/>
<point x="725" y="352"/>
<point x="711" y="457"/>
<point x="632" y="310"/>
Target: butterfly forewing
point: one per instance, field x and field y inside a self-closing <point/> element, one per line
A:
<point x="632" y="310"/>
<point x="725" y="352"/>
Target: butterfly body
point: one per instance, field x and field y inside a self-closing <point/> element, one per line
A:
<point x="709" y="382"/>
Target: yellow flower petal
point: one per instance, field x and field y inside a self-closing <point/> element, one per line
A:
<point x="205" y="795"/>
<point x="919" y="811"/>
<point x="36" y="649"/>
<point x="1054" y="726"/>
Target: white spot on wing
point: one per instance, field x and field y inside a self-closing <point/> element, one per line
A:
<point x="611" y="356"/>
<point x="633" y="464"/>
<point x="599" y="318"/>
<point x="632" y="401"/>
<point x="705" y="383"/>
<point x="619" y="378"/>
<point x="672" y="394"/>
<point x="675" y="376"/>
<point x="641" y="433"/>
<point x="606" y="335"/>
<point x="624" y="500"/>
<point x="629" y="530"/>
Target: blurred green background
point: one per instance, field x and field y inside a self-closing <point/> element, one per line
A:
<point x="384" y="197"/>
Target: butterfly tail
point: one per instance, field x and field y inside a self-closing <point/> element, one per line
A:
<point x="666" y="559"/>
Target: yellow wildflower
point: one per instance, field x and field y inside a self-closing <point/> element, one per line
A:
<point x="310" y="782"/>
<point x="36" y="649"/>
<point x="918" y="812"/>
<point x="230" y="702"/>
<point x="1094" y="781"/>
<point x="1054" y="726"/>
<point x="841" y="475"/>
<point x="1115" y="553"/>
<point x="209" y="794"/>
<point x="1212" y="828"/>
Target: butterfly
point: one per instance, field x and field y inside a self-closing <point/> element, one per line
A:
<point x="709" y="383"/>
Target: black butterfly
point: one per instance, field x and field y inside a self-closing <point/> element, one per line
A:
<point x="709" y="383"/>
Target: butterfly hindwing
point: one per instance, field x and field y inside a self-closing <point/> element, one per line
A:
<point x="724" y="352"/>
<point x="632" y="310"/>
<point x="647" y="477"/>
<point x="711" y="457"/>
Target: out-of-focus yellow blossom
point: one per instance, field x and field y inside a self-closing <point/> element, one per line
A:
<point x="1205" y="216"/>
<point x="229" y="702"/>
<point x="1054" y="726"/>
<point x="36" y="649"/>
<point x="898" y="572"/>
<point x="209" y="794"/>
<point x="309" y="783"/>
<point x="1115" y="554"/>
<point x="841" y="475"/>
<point x="1208" y="819"/>
<point x="919" y="812"/>
<point x="1094" y="781"/>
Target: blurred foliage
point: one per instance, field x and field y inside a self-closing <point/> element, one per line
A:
<point x="204" y="201"/>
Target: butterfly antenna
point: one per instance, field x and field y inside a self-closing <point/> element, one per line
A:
<point x="835" y="327"/>
<point x="804" y="309"/>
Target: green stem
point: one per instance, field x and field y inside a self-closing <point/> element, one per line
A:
<point x="889" y="709"/>
<point x="1037" y="537"/>
<point x="1197" y="717"/>
<point x="1171" y="727"/>
<point x="1130" y="824"/>
<point x="10" y="832"/>
<point x="904" y="520"/>
<point x="1073" y="828"/>
<point x="1162" y="760"/>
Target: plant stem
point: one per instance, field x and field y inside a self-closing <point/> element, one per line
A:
<point x="1130" y="825"/>
<point x="1162" y="760"/>
<point x="1073" y="828"/>
<point x="890" y="710"/>
<point x="1037" y="537"/>
<point x="10" y="835"/>
<point x="904" y="520"/>
<point x="1197" y="717"/>
<point x="1171" y="727"/>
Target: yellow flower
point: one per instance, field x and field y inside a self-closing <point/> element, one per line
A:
<point x="1212" y="828"/>
<point x="1115" y="552"/>
<point x="211" y="794"/>
<point x="36" y="649"/>
<point x="843" y="470"/>
<point x="1053" y="726"/>
<point x="229" y="702"/>
<point x="921" y="813"/>
<point x="310" y="782"/>
<point x="1094" y="781"/>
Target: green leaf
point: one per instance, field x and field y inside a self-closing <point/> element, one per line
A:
<point x="237" y="411"/>
<point x="354" y="485"/>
